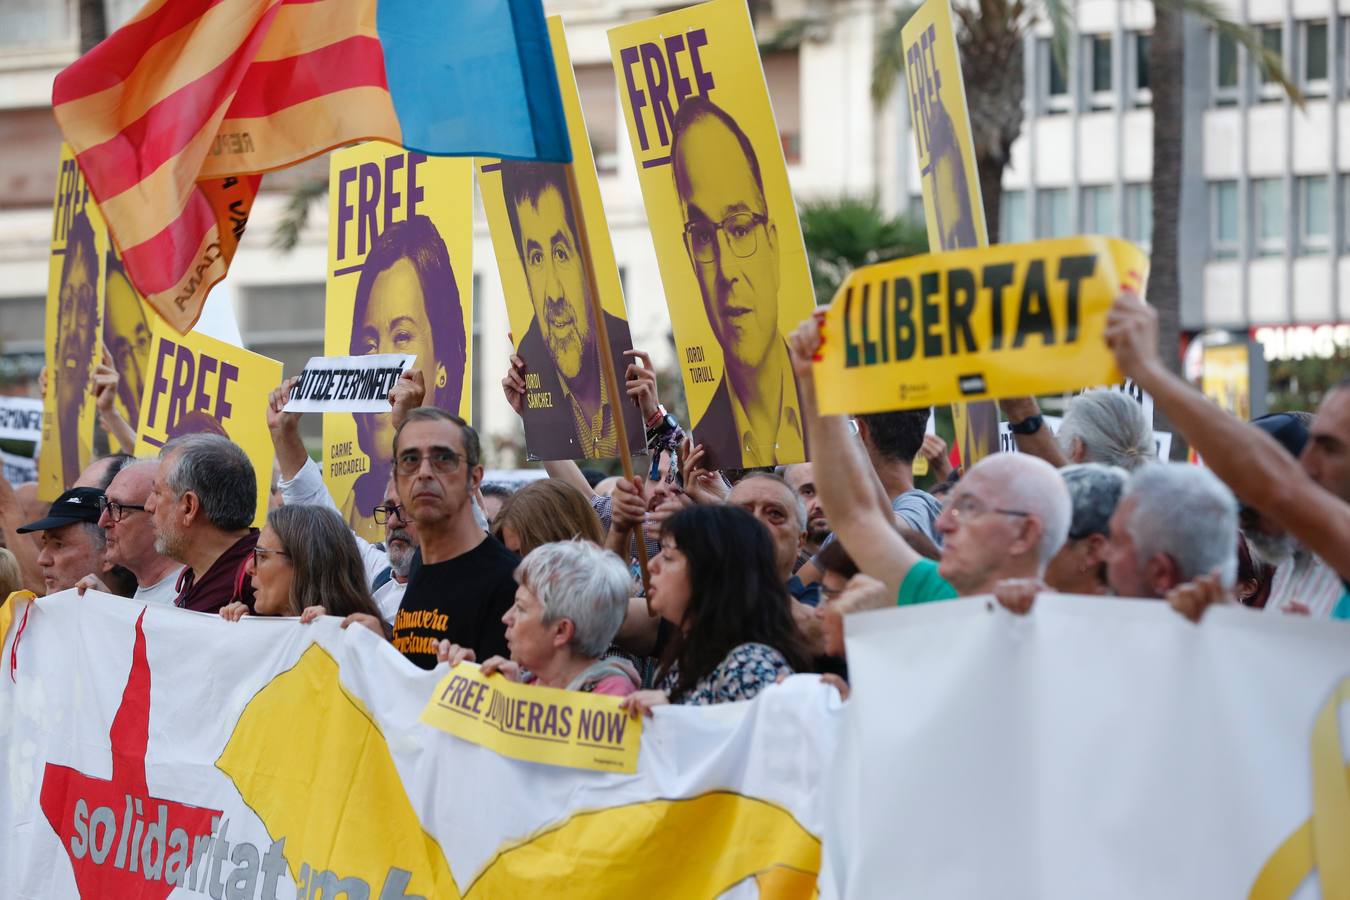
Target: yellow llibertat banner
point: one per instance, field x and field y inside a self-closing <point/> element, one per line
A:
<point x="400" y="280"/>
<point x="535" y="239"/>
<point x="73" y="324"/>
<point x="945" y="150"/>
<point x="1006" y="321"/>
<point x="728" y="243"/>
<point x="197" y="384"/>
<point x="537" y="724"/>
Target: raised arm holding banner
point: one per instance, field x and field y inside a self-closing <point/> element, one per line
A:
<point x="715" y="186"/>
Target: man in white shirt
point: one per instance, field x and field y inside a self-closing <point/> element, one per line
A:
<point x="131" y="535"/>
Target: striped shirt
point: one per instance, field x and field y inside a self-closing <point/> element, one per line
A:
<point x="1307" y="580"/>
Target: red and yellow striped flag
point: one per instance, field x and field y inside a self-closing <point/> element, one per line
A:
<point x="175" y="116"/>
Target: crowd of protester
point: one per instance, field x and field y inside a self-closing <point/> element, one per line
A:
<point x="749" y="575"/>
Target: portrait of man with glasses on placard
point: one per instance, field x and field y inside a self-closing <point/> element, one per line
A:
<point x="733" y="245"/>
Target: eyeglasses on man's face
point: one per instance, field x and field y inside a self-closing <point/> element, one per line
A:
<point x="117" y="511"/>
<point x="443" y="461"/>
<point x="966" y="509"/>
<point x="392" y="511"/>
<point x="741" y="230"/>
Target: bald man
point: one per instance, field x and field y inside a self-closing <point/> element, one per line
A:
<point x="1005" y="519"/>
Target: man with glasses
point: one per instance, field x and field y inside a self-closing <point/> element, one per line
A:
<point x="130" y="535"/>
<point x="400" y="543"/>
<point x="1005" y="519"/>
<point x="753" y="418"/>
<point x="462" y="580"/>
<point x="202" y="506"/>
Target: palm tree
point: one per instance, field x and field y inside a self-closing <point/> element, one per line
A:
<point x="845" y="233"/>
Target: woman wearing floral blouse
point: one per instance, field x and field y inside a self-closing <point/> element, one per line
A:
<point x="715" y="580"/>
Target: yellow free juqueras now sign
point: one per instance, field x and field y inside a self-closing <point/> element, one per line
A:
<point x="1012" y="320"/>
<point x="536" y="724"/>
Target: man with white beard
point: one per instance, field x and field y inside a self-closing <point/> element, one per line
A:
<point x="1303" y="584"/>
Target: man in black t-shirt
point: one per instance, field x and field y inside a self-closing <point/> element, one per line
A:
<point x="462" y="581"/>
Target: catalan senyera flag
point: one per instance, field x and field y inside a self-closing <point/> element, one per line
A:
<point x="174" y="117"/>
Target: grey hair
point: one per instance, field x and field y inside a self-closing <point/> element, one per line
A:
<point x="1186" y="513"/>
<point x="1112" y="427"/>
<point x="97" y="536"/>
<point x="1095" y="490"/>
<point x="219" y="472"/>
<point x="1032" y="485"/>
<point x="577" y="580"/>
<point x="798" y="504"/>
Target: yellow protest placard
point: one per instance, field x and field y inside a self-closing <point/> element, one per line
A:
<point x="945" y="151"/>
<point x="1011" y="320"/>
<point x="196" y="384"/>
<point x="400" y="280"/>
<point x="128" y="324"/>
<point x="535" y="724"/>
<point x="73" y="323"/>
<point x="728" y="243"/>
<point x="534" y="237"/>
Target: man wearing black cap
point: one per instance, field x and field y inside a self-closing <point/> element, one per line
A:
<point x="72" y="542"/>
<point x="1302" y="584"/>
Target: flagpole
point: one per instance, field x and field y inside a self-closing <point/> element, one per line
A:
<point x="606" y="356"/>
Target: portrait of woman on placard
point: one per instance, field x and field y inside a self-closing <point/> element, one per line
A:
<point x="126" y="334"/>
<point x="407" y="301"/>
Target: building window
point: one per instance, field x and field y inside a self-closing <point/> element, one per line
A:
<point x="1055" y="86"/>
<point x="1313" y="57"/>
<point x="1223" y="220"/>
<point x="1052" y="212"/>
<point x="1268" y="204"/>
<point x="782" y="73"/>
<point x="35" y="24"/>
<point x="1097" y="204"/>
<point x="1012" y="217"/>
<point x="1139" y="214"/>
<point x="1225" y="75"/>
<point x="1100" y="74"/>
<point x="600" y="106"/>
<point x="1272" y="41"/>
<point x="1314" y="224"/>
<point x="1138" y="74"/>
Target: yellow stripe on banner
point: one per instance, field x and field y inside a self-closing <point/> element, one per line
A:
<point x="1321" y="843"/>
<point x="300" y="28"/>
<point x="172" y="63"/>
<point x="143" y="210"/>
<point x="700" y="847"/>
<point x="210" y="267"/>
<point x="7" y="611"/>
<point x="304" y="130"/>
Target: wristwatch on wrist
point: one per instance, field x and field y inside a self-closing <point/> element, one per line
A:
<point x="1029" y="425"/>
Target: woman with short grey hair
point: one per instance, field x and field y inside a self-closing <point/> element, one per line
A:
<point x="1107" y="427"/>
<point x="571" y="600"/>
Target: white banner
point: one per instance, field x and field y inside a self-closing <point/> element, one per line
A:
<point x="20" y="419"/>
<point x="18" y="469"/>
<point x="350" y="384"/>
<point x="1095" y="748"/>
<point x="152" y="752"/>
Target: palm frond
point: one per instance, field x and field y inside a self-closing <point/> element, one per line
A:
<point x="296" y="215"/>
<point x="1214" y="15"/>
<point x="888" y="63"/>
<point x="1061" y="24"/>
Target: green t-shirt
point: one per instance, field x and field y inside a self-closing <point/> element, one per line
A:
<point x="923" y="584"/>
